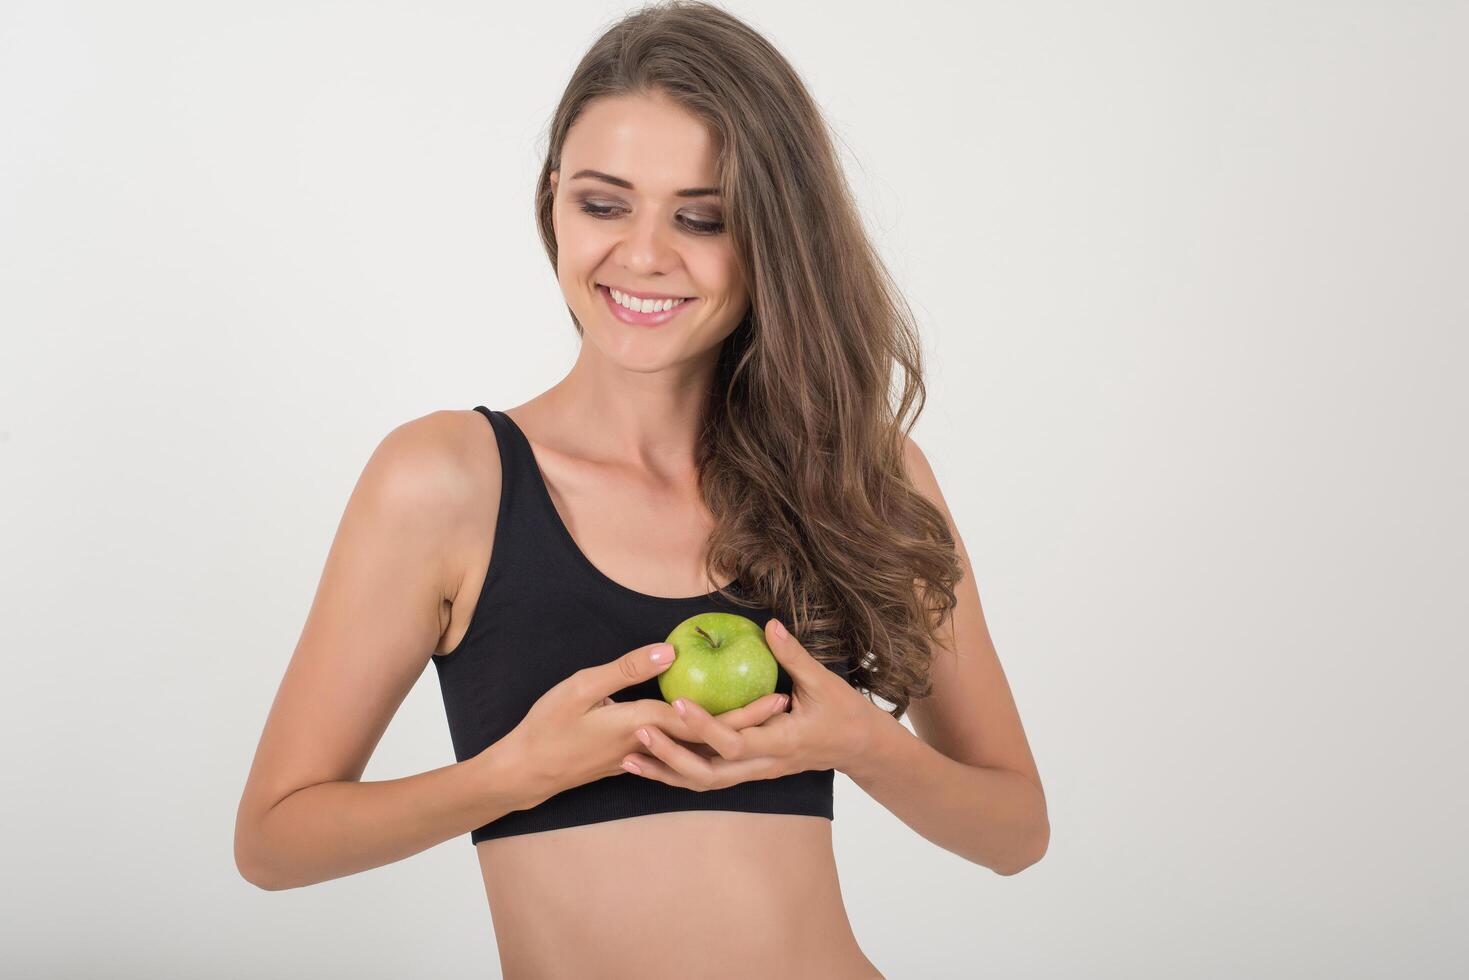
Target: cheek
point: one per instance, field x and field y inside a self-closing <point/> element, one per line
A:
<point x="575" y="232"/>
<point x="717" y="271"/>
<point x="578" y="255"/>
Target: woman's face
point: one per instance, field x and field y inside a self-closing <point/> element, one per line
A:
<point x="636" y="209"/>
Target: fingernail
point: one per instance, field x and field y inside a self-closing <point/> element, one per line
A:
<point x="632" y="768"/>
<point x="679" y="705"/>
<point x="780" y="705"/>
<point x="780" y="629"/>
<point x="643" y="736"/>
<point x="662" y="653"/>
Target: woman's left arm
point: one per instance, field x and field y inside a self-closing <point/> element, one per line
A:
<point x="990" y="815"/>
<point x="967" y="781"/>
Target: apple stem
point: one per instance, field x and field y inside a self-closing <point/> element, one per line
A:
<point x="700" y="631"/>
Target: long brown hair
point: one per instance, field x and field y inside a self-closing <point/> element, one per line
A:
<point x="801" y="453"/>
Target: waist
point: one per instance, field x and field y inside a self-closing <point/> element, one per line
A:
<point x="751" y="893"/>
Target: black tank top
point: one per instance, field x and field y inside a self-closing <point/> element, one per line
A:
<point x="544" y="612"/>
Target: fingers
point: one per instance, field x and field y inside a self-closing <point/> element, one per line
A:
<point x="691" y="726"/>
<point x="598" y="683"/>
<point x="696" y="728"/>
<point x="686" y="761"/>
<point x="754" y="713"/>
<point x="773" y="736"/>
<point x="732" y="738"/>
<point x="664" y="760"/>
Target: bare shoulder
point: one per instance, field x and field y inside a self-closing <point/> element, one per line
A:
<point x="422" y="499"/>
<point x="433" y="456"/>
<point x="446" y="465"/>
<point x="920" y="471"/>
<point x="471" y="500"/>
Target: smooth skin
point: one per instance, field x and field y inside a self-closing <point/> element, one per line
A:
<point x="664" y="895"/>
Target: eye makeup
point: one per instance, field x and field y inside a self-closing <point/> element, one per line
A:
<point x="608" y="212"/>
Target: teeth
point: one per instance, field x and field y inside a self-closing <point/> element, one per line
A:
<point x="643" y="305"/>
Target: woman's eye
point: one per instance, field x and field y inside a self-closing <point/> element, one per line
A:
<point x="598" y="210"/>
<point x="695" y="225"/>
<point x="704" y="227"/>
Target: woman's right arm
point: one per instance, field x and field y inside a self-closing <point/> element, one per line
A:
<point x="379" y="610"/>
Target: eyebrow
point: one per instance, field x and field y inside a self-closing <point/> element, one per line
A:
<point x="619" y="182"/>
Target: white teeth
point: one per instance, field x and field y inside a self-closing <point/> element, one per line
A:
<point x="642" y="305"/>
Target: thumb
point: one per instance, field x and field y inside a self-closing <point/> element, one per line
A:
<point x="631" y="668"/>
<point x="790" y="654"/>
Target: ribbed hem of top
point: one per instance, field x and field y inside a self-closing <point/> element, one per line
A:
<point x="627" y="795"/>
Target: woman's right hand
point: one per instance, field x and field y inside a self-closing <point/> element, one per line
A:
<point x="576" y="733"/>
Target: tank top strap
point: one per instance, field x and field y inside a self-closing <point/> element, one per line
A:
<point x="527" y="529"/>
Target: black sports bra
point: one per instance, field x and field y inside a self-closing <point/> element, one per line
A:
<point x="544" y="612"/>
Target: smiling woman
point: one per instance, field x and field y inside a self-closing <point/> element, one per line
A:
<point x="727" y="420"/>
<point x="637" y="203"/>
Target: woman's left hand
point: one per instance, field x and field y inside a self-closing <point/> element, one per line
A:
<point x="829" y="725"/>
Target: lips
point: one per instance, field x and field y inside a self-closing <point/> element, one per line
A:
<point x="642" y="319"/>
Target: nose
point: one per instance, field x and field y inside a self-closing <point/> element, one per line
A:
<point x="646" y="247"/>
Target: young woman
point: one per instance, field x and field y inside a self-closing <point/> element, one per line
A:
<point x="724" y="442"/>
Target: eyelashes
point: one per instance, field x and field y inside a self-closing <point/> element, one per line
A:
<point x="693" y="224"/>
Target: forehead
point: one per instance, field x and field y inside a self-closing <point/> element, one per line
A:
<point x="653" y="142"/>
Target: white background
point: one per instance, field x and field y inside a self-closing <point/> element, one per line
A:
<point x="1191" y="280"/>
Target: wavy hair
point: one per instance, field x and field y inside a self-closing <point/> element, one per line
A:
<point x="801" y="452"/>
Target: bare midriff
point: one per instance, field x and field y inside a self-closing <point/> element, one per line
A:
<point x="691" y="895"/>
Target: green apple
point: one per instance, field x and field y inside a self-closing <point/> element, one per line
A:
<point x="722" y="662"/>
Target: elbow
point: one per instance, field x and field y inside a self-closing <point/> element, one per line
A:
<point x="248" y="860"/>
<point x="258" y="881"/>
<point x="1032" y="854"/>
<point x="248" y="867"/>
<point x="256" y="874"/>
<point x="254" y="877"/>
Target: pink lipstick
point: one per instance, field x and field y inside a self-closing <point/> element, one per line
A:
<point x="642" y="319"/>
